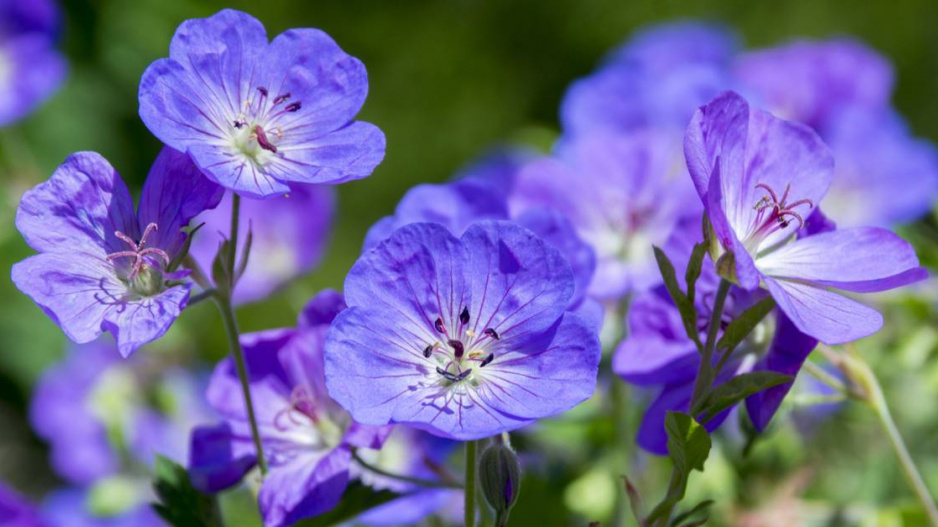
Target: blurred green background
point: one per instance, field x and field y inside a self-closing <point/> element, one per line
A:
<point x="448" y="80"/>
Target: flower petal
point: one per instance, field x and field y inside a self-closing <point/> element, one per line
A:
<point x="311" y="156"/>
<point x="37" y="69"/>
<point x="219" y="459"/>
<point x="142" y="320"/>
<point x="826" y="316"/>
<point x="78" y="209"/>
<point x="656" y="349"/>
<point x="306" y="486"/>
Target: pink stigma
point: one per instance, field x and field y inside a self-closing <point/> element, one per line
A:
<point x="138" y="252"/>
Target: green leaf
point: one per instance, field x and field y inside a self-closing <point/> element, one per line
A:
<point x="688" y="446"/>
<point x="700" y="507"/>
<point x="737" y="389"/>
<point x="739" y="328"/>
<point x="693" y="269"/>
<point x="178" y="502"/>
<point x="357" y="499"/>
<point x="635" y="501"/>
<point x="684" y="305"/>
<point x="221" y="274"/>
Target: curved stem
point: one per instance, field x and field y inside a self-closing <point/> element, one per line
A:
<point x="470" y="492"/>
<point x="408" y="479"/>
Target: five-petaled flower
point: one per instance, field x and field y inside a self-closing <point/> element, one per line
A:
<point x="307" y="438"/>
<point x="760" y="178"/>
<point x="463" y="337"/>
<point x="102" y="267"/>
<point x="257" y="116"/>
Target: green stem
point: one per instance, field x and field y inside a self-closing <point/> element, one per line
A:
<point x="470" y="493"/>
<point x="232" y="254"/>
<point x="416" y="481"/>
<point x="875" y="398"/>
<point x="705" y="373"/>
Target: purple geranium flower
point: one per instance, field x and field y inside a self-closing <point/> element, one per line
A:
<point x="69" y="508"/>
<point x="462" y="337"/>
<point x="93" y="406"/>
<point x="258" y="116"/>
<point x="30" y="67"/>
<point x="101" y="267"/>
<point x="289" y="235"/>
<point x="622" y="193"/>
<point x="759" y="177"/>
<point x="307" y="437"/>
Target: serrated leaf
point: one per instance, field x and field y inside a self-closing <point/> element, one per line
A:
<point x="178" y="502"/>
<point x="693" y="269"/>
<point x="740" y="327"/>
<point x="700" y="507"/>
<point x="684" y="306"/>
<point x="737" y="389"/>
<point x="357" y="499"/>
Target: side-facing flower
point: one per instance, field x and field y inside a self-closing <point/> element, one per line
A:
<point x="463" y="337"/>
<point x="258" y="116"/>
<point x="307" y="437"/>
<point x="102" y="267"/>
<point x="289" y="235"/>
<point x="623" y="193"/>
<point x="759" y="178"/>
<point x="30" y="67"/>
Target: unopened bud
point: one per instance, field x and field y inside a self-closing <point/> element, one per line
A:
<point x="500" y="479"/>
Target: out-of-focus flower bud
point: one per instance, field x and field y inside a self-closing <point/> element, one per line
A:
<point x="500" y="479"/>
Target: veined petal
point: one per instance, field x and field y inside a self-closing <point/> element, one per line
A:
<point x="829" y="317"/>
<point x="230" y="32"/>
<point x="236" y="171"/>
<point x="78" y="209"/>
<point x="862" y="259"/>
<point x="138" y="321"/>
<point x="308" y="485"/>
<point x="718" y="125"/>
<point x="311" y="156"/>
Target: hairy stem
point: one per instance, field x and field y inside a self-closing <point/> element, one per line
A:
<point x="408" y="479"/>
<point x="470" y="493"/>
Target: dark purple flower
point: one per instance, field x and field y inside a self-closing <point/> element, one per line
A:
<point x="69" y="507"/>
<point x="759" y="178"/>
<point x="93" y="406"/>
<point x="307" y="437"/>
<point x="30" y="67"/>
<point x="289" y="236"/>
<point x="622" y="193"/>
<point x="462" y="337"/>
<point x="102" y="267"/>
<point x="259" y="116"/>
<point x="17" y="511"/>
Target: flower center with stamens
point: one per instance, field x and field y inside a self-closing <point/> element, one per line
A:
<point x="255" y="131"/>
<point x="460" y="354"/>
<point x="146" y="263"/>
<point x="308" y="421"/>
<point x="773" y="214"/>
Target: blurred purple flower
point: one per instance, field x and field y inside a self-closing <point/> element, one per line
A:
<point x="30" y="67"/>
<point x="69" y="508"/>
<point x="102" y="267"/>
<point x="759" y="178"/>
<point x="622" y="193"/>
<point x="17" y="511"/>
<point x="307" y="437"/>
<point x="93" y="406"/>
<point x="259" y="116"/>
<point x="464" y="338"/>
<point x="289" y="236"/>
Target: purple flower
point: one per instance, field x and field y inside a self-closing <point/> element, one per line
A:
<point x="16" y="511"/>
<point x="101" y="267"/>
<point x="759" y="178"/>
<point x="622" y="193"/>
<point x="93" y="406"/>
<point x="257" y="116"/>
<point x="656" y="79"/>
<point x="307" y="437"/>
<point x="289" y="236"/>
<point x="462" y="337"/>
<point x="69" y="508"/>
<point x="30" y="67"/>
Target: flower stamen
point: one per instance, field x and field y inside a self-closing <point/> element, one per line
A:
<point x="138" y="252"/>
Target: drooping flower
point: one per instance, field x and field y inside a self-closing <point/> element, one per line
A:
<point x="289" y="235"/>
<point x="622" y="193"/>
<point x="462" y="337"/>
<point x="102" y="267"/>
<point x="307" y="438"/>
<point x="759" y="178"/>
<point x="30" y="67"/>
<point x="260" y="116"/>
<point x="103" y="417"/>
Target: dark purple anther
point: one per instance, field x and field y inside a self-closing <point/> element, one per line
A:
<point x="262" y="90"/>
<point x="489" y="332"/>
<point x="458" y="348"/>
<point x="262" y="139"/>
<point x="464" y="316"/>
<point x="488" y="360"/>
<point x="448" y="376"/>
<point x="292" y="107"/>
<point x="428" y="351"/>
<point x="280" y="98"/>
<point x="464" y="374"/>
<point x="439" y="325"/>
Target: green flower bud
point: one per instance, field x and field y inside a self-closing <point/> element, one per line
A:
<point x="500" y="479"/>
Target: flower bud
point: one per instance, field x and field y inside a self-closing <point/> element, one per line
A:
<point x="500" y="479"/>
